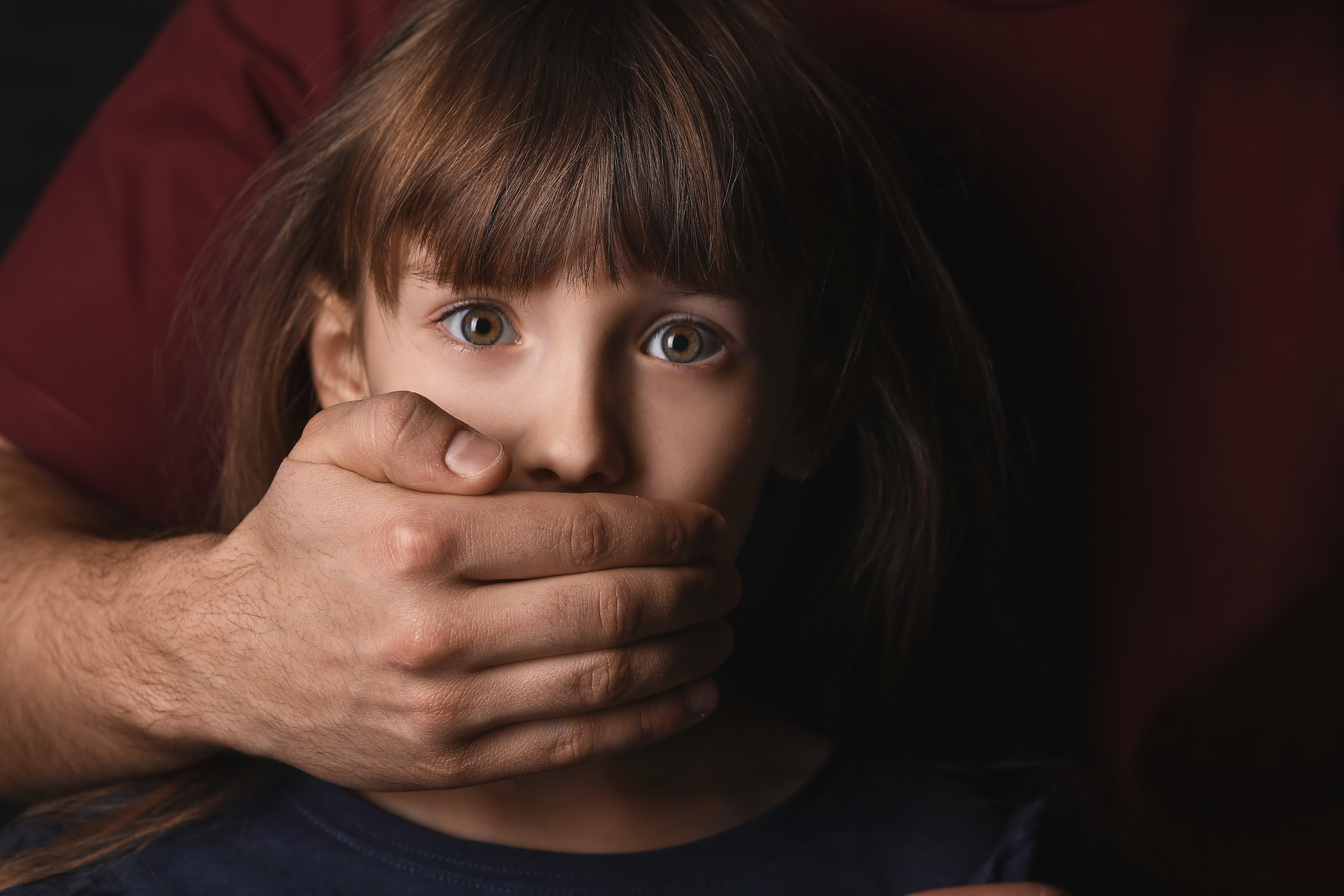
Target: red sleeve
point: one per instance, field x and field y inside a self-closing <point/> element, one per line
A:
<point x="1176" y="172"/>
<point x="89" y="289"/>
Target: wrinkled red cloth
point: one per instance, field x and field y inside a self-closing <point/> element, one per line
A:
<point x="92" y="360"/>
<point x="1174" y="169"/>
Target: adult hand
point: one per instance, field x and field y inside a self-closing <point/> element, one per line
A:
<point x="381" y="622"/>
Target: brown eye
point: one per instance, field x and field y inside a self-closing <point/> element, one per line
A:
<point x="682" y="343"/>
<point x="482" y="326"/>
<point x="478" y="325"/>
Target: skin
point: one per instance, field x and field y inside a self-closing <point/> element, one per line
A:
<point x="576" y="381"/>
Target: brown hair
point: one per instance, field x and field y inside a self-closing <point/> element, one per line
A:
<point x="700" y="140"/>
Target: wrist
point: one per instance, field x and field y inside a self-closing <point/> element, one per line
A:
<point x="167" y="601"/>
<point x="91" y="695"/>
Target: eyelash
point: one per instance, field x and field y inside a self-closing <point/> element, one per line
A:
<point x="682" y="320"/>
<point x="458" y="342"/>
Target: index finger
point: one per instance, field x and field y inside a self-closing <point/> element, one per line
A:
<point x="530" y="535"/>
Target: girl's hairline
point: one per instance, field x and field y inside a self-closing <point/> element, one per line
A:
<point x="417" y="265"/>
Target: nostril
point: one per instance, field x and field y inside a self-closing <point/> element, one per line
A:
<point x="583" y="455"/>
<point x="545" y="477"/>
<point x="597" y="479"/>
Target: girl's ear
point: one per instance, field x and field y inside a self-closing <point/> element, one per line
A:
<point x="333" y="351"/>
<point x="814" y="429"/>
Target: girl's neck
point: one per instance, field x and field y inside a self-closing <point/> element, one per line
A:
<point x="716" y="775"/>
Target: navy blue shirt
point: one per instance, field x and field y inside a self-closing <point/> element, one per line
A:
<point x="857" y="827"/>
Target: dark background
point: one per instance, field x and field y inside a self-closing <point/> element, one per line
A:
<point x="58" y="60"/>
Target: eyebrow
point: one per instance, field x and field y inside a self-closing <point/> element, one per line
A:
<point x="421" y="265"/>
<point x="481" y="290"/>
<point x="720" y="294"/>
<point x="715" y="293"/>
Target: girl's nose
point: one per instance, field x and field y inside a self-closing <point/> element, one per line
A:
<point x="574" y="440"/>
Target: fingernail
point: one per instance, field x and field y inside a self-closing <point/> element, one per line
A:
<point x="702" y="698"/>
<point x="470" y="453"/>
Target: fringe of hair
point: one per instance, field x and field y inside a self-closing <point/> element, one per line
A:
<point x="120" y="819"/>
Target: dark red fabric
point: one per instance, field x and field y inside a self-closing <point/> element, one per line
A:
<point x="1174" y="168"/>
<point x="88" y="290"/>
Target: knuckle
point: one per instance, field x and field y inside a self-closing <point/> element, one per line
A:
<point x="420" y="645"/>
<point x="607" y="679"/>
<point x="617" y="609"/>
<point x="574" y="741"/>
<point x="448" y="768"/>
<point x="410" y="544"/>
<point x="431" y="717"/>
<point x="444" y="708"/>
<point x="395" y="419"/>
<point x="587" y="535"/>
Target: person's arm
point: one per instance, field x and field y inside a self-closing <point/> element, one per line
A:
<point x="356" y="624"/>
<point x="73" y="712"/>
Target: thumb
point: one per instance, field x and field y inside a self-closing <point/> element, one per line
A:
<point x="407" y="440"/>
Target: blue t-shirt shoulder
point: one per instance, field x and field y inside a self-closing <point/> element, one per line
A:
<point x="858" y="827"/>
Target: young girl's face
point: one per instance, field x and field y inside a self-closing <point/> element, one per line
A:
<point x="642" y="387"/>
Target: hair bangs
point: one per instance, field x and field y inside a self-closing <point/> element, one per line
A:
<point x="531" y="144"/>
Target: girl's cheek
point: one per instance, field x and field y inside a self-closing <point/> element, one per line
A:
<point x="465" y="391"/>
<point x="713" y="446"/>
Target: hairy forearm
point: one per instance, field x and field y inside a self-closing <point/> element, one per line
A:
<point x="89" y="689"/>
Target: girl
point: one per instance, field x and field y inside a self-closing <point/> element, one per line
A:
<point x="654" y="248"/>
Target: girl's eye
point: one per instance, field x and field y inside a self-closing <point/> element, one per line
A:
<point x="478" y="325"/>
<point x="683" y="343"/>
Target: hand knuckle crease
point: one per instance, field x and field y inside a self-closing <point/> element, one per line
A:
<point x="589" y="535"/>
<point x="419" y="645"/>
<point x="394" y="420"/>
<point x="574" y="742"/>
<point x="608" y="680"/>
<point x="617" y="612"/>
